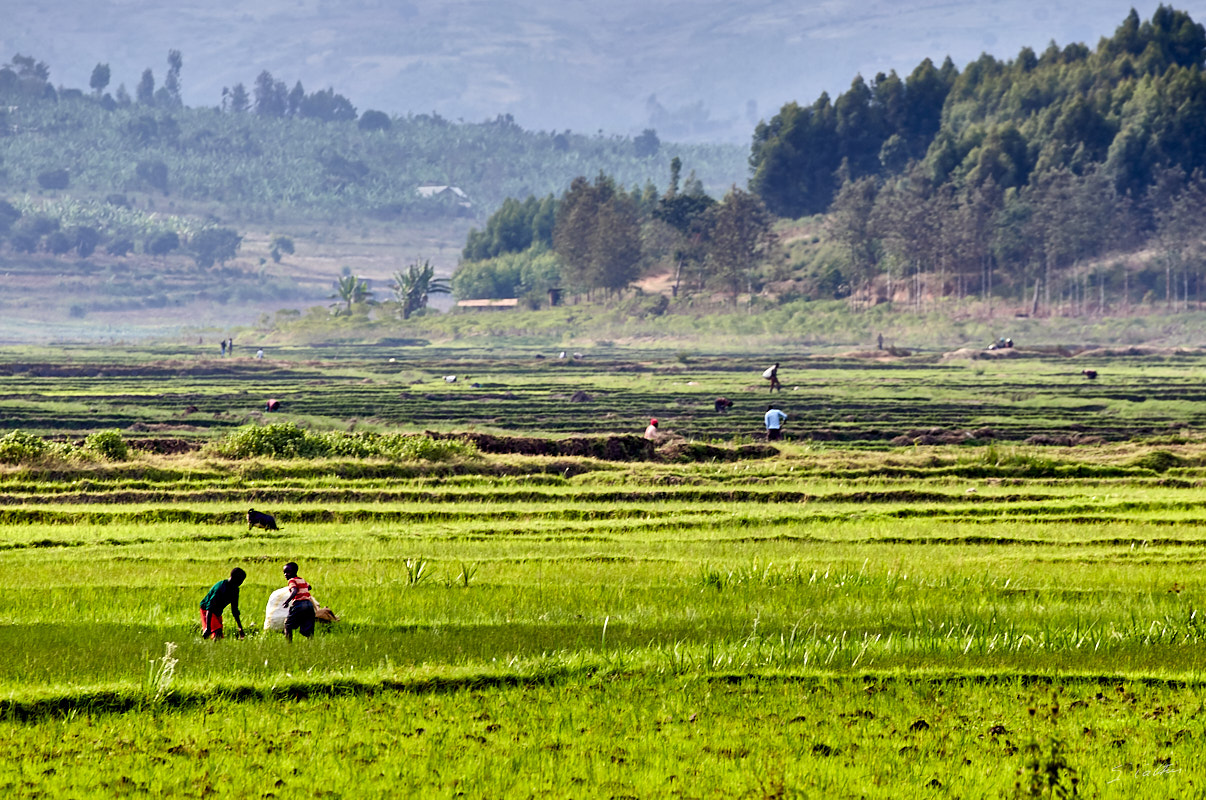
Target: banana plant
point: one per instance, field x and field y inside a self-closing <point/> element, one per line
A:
<point x="350" y="289"/>
<point x="413" y="287"/>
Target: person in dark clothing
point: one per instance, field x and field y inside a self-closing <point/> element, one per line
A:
<point x="223" y="593"/>
<point x="299" y="603"/>
<point x="772" y="374"/>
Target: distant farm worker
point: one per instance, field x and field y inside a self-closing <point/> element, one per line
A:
<point x="299" y="603"/>
<point x="651" y="432"/>
<point x="223" y="593"/>
<point x="772" y="375"/>
<point x="223" y="347"/>
<point x="774" y="423"/>
<point x="723" y="404"/>
<point x="259" y="353"/>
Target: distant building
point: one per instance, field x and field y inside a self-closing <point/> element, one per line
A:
<point x="446" y="193"/>
<point x="506" y="302"/>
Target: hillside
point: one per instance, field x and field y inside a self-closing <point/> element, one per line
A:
<point x="703" y="70"/>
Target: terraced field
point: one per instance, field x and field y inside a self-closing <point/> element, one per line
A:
<point x="836" y="617"/>
<point x="1039" y="397"/>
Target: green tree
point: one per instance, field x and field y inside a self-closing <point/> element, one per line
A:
<point x="280" y="244"/>
<point x="161" y="243"/>
<point x="851" y="224"/>
<point x="647" y="144"/>
<point x="351" y="290"/>
<point x="373" y="120"/>
<point x="741" y="235"/>
<point x="171" y="84"/>
<point x="413" y="288"/>
<point x="99" y="79"/>
<point x="214" y="245"/>
<point x="146" y="88"/>
<point x="235" y="100"/>
<point x="271" y="96"/>
<point x="327" y="106"/>
<point x="54" y="179"/>
<point x="597" y="234"/>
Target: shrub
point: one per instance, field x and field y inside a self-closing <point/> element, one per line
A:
<point x="374" y="121"/>
<point x="54" y="179"/>
<point x="108" y="444"/>
<point x="19" y="447"/>
<point x="286" y="440"/>
<point x="281" y="440"/>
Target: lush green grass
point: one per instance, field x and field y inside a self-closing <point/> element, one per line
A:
<point x="608" y="733"/>
<point x="831" y="621"/>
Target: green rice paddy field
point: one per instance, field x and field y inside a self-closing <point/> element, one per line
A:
<point x="954" y="579"/>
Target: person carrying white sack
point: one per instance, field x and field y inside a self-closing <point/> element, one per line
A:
<point x="276" y="612"/>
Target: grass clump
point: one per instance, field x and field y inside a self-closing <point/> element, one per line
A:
<point x="286" y="441"/>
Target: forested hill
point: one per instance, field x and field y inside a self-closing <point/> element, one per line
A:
<point x="1130" y="107"/>
<point x="272" y="150"/>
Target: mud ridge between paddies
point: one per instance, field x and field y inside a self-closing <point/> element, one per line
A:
<point x="685" y="495"/>
<point x="122" y="700"/>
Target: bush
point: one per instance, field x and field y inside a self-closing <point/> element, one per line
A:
<point x="286" y="440"/>
<point x="374" y="121"/>
<point x="19" y="447"/>
<point x="108" y="445"/>
<point x="281" y="440"/>
<point x="54" y="179"/>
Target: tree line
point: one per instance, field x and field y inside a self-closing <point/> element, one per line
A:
<point x="599" y="238"/>
<point x="1019" y="178"/>
<point x="265" y="150"/>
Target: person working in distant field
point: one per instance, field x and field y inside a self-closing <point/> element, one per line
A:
<point x="651" y="432"/>
<point x="772" y="375"/>
<point x="774" y="423"/>
<point x="223" y="593"/>
<point x="299" y="603"/>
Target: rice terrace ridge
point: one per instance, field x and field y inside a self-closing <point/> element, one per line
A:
<point x="1010" y="610"/>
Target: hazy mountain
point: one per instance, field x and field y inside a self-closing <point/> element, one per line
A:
<point x="691" y="69"/>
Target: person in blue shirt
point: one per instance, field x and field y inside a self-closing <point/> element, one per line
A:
<point x="774" y="423"/>
<point x="222" y="594"/>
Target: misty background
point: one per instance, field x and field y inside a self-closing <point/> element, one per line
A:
<point x="694" y="70"/>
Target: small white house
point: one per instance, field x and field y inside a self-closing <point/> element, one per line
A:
<point x="448" y="193"/>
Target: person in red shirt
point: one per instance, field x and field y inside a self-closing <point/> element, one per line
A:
<point x="299" y="603"/>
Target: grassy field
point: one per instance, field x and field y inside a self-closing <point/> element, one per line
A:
<point x="996" y="618"/>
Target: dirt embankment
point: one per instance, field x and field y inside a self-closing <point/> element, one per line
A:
<point x="608" y="448"/>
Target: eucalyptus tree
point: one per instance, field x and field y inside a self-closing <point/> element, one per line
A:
<point x="741" y="236"/>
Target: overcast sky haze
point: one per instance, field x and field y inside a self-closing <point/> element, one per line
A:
<point x="691" y="69"/>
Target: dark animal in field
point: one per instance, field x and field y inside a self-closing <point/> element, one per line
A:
<point x="273" y="405"/>
<point x="723" y="404"/>
<point x="1091" y="374"/>
<point x="258" y="519"/>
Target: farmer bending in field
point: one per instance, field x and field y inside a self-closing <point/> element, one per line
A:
<point x="299" y="603"/>
<point x="224" y="593"/>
